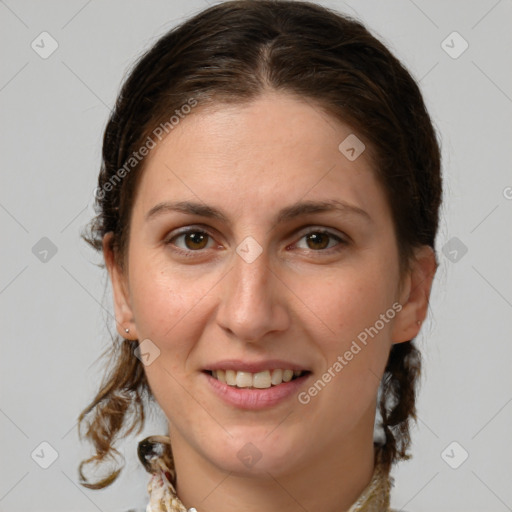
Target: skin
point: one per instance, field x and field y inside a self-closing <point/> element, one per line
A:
<point x="300" y="300"/>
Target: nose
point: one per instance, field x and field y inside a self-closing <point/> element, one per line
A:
<point x="253" y="301"/>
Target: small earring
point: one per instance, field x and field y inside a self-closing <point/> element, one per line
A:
<point x="127" y="330"/>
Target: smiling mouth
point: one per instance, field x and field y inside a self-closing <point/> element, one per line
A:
<point x="260" y="380"/>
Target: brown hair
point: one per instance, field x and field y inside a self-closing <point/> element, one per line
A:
<point x="233" y="52"/>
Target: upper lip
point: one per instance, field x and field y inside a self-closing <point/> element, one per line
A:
<point x="254" y="366"/>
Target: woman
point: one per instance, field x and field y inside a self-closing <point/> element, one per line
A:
<point x="267" y="210"/>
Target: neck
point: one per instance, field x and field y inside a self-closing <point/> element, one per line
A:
<point x="330" y="481"/>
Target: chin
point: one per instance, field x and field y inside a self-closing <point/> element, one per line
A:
<point x="254" y="452"/>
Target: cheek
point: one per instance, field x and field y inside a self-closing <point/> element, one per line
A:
<point x="353" y="321"/>
<point x="161" y="301"/>
<point x="164" y="307"/>
<point x="348" y="301"/>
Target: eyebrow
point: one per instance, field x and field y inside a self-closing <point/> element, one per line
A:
<point x="286" y="214"/>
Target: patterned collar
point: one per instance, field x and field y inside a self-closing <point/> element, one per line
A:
<point x="156" y="456"/>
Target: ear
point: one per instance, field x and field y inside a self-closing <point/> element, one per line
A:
<point x="122" y="308"/>
<point x="414" y="295"/>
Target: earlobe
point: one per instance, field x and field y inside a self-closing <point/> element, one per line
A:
<point x="415" y="295"/>
<point x="122" y="308"/>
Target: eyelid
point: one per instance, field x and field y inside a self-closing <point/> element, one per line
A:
<point x="184" y="231"/>
<point x="322" y="229"/>
<point x="342" y="238"/>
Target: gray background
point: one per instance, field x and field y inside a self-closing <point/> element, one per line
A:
<point x="53" y="312"/>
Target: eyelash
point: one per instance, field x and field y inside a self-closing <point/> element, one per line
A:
<point x="190" y="253"/>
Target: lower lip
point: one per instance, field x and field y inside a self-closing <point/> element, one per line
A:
<point x="255" y="399"/>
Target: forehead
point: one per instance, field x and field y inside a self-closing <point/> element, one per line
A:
<point x="273" y="150"/>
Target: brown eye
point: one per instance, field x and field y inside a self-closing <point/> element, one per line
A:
<point x="317" y="240"/>
<point x="191" y="240"/>
<point x="195" y="240"/>
<point x="322" y="241"/>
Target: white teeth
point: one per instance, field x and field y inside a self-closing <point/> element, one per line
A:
<point x="243" y="379"/>
<point x="277" y="377"/>
<point x="231" y="377"/>
<point x="260" y="380"/>
<point x="287" y="375"/>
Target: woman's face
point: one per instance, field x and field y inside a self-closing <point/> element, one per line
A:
<point x="263" y="282"/>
